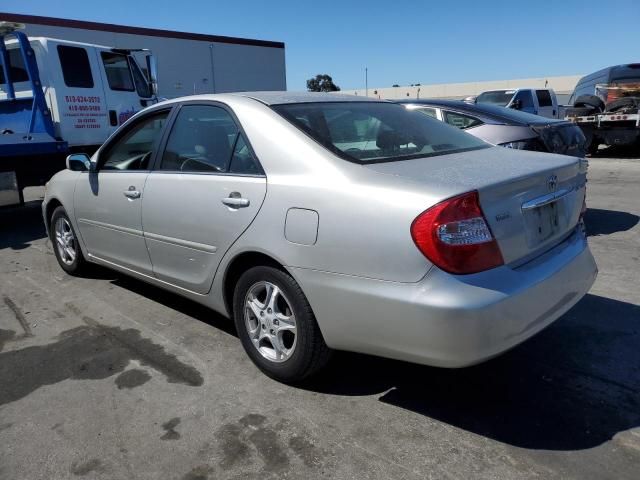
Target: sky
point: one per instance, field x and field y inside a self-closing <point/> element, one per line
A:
<point x="398" y="41"/>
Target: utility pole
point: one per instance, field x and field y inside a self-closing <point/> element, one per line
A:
<point x="366" y="80"/>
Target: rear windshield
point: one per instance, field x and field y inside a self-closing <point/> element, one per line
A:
<point x="369" y="132"/>
<point x="498" y="97"/>
<point x="16" y="67"/>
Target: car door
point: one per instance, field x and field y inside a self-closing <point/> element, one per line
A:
<point x="80" y="110"/>
<point x="205" y="190"/>
<point x="108" y="201"/>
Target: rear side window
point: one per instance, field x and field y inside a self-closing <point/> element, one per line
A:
<point x="206" y="139"/>
<point x="461" y="121"/>
<point x="428" y="111"/>
<point x="76" y="69"/>
<point x="116" y="66"/>
<point x="544" y="98"/>
<point x="16" y="68"/>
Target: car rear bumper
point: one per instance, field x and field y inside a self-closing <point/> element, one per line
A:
<point x="447" y="320"/>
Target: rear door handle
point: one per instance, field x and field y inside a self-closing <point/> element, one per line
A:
<point x="234" y="200"/>
<point x="132" y="193"/>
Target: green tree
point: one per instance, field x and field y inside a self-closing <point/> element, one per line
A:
<point x="322" y="83"/>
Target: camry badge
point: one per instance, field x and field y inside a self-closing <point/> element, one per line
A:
<point x="552" y="183"/>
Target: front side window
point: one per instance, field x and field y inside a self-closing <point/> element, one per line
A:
<point x="76" y="69"/>
<point x="366" y="132"/>
<point x="460" y="120"/>
<point x="116" y="66"/>
<point x="133" y="150"/>
<point x="526" y="98"/>
<point x="16" y="67"/>
<point x="142" y="86"/>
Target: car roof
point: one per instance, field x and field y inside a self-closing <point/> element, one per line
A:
<point x="279" y="98"/>
<point x="493" y="112"/>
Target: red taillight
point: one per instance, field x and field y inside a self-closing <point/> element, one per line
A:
<point x="454" y="236"/>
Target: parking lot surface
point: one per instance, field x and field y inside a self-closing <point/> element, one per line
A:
<point x="108" y="378"/>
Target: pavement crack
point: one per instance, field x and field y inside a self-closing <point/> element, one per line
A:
<point x="17" y="312"/>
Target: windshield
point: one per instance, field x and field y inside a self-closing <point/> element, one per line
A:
<point x="368" y="132"/>
<point x="496" y="97"/>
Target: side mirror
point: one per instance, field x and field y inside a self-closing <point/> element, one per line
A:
<point x="152" y="69"/>
<point x="516" y="104"/>
<point x="79" y="162"/>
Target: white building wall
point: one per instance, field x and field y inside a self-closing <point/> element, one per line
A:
<point x="190" y="66"/>
<point x="563" y="86"/>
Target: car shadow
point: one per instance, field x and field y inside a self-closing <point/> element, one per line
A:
<point x="91" y="351"/>
<point x="572" y="387"/>
<point x="177" y="303"/>
<point x="606" y="222"/>
<point x="626" y="151"/>
<point x="19" y="226"/>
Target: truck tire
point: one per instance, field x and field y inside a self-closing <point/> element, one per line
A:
<point x="589" y="101"/>
<point x="624" y="104"/>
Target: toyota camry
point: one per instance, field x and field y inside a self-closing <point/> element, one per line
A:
<point x="322" y="222"/>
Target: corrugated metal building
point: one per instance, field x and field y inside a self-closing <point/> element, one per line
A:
<point x="187" y="62"/>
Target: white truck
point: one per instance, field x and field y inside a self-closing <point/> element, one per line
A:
<point x="605" y="104"/>
<point x="59" y="97"/>
<point x="609" y="106"/>
<point x="540" y="101"/>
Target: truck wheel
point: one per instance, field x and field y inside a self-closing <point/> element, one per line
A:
<point x="589" y="101"/>
<point x="276" y="325"/>
<point x="65" y="243"/>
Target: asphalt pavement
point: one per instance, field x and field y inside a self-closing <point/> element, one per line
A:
<point x="109" y="378"/>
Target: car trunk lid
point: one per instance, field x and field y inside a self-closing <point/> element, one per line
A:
<point x="531" y="201"/>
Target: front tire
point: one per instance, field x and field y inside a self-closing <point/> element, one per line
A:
<point x="65" y="243"/>
<point x="276" y="325"/>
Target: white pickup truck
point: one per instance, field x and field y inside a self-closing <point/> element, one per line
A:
<point x="59" y="97"/>
<point x="541" y="101"/>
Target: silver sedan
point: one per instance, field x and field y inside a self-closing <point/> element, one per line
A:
<point x="321" y="222"/>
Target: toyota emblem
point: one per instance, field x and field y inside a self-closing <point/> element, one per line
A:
<point x="552" y="183"/>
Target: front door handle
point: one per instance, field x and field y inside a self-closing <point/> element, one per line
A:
<point x="132" y="193"/>
<point x="235" y="200"/>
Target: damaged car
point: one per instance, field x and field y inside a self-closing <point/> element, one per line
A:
<point x="506" y="127"/>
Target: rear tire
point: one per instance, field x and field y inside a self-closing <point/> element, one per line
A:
<point x="276" y="325"/>
<point x="590" y="101"/>
<point x="65" y="243"/>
